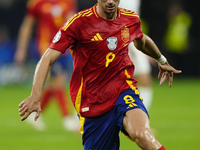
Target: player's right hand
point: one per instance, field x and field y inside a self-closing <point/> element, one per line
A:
<point x="28" y="106"/>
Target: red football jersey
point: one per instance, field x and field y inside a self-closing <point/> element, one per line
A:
<point x="50" y="16"/>
<point x="102" y="67"/>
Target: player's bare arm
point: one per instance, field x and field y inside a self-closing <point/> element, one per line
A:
<point x="32" y="103"/>
<point x="147" y="46"/>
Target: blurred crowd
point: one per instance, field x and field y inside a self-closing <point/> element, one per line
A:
<point x="172" y="24"/>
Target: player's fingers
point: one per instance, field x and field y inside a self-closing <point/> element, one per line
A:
<point x="22" y="109"/>
<point x="177" y="71"/>
<point x="170" y="79"/>
<point x="21" y="104"/>
<point x="163" y="78"/>
<point x="25" y="116"/>
<point x="23" y="112"/>
<point x="159" y="74"/>
<point x="37" y="115"/>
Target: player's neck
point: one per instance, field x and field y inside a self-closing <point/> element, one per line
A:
<point x="104" y="15"/>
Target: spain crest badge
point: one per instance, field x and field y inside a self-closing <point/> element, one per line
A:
<point x="125" y="34"/>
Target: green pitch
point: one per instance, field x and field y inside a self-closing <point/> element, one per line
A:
<point x="174" y="116"/>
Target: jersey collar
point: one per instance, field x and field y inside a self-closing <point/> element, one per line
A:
<point x="95" y="11"/>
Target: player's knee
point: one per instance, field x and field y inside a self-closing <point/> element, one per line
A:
<point x="144" y="138"/>
<point x="140" y="134"/>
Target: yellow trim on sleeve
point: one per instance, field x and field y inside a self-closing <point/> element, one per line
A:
<point x="71" y="21"/>
<point x="128" y="12"/>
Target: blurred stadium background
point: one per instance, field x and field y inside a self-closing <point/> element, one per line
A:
<point x="175" y="113"/>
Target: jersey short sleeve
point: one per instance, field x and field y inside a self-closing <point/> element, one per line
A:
<point x="138" y="31"/>
<point x="64" y="38"/>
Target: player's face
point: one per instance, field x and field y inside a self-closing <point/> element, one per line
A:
<point x="109" y="7"/>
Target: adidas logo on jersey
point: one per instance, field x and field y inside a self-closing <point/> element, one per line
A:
<point x="97" y="37"/>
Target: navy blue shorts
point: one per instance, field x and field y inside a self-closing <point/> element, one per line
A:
<point x="102" y="132"/>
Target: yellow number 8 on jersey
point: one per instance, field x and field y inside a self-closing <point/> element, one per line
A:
<point x="109" y="58"/>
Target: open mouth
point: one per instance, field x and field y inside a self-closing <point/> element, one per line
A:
<point x="110" y="7"/>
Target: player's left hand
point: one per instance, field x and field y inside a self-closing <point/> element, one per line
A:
<point x="28" y="106"/>
<point x="166" y="71"/>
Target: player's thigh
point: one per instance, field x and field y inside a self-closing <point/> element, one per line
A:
<point x="131" y="109"/>
<point x="135" y="121"/>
